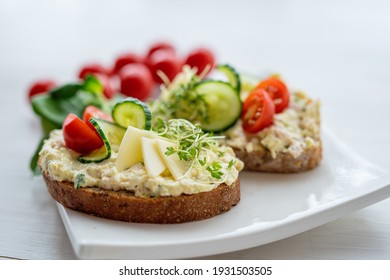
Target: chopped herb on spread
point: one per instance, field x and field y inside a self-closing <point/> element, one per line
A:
<point x="80" y="179"/>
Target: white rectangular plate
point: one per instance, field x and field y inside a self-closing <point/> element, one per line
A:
<point x="272" y="207"/>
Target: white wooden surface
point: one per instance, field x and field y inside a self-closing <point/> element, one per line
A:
<point x="338" y="51"/>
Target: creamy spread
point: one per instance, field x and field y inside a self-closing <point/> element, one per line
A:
<point x="294" y="130"/>
<point x="61" y="164"/>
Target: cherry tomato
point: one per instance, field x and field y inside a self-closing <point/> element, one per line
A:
<point x="258" y="111"/>
<point x="39" y="87"/>
<point x="277" y="91"/>
<point x="108" y="87"/>
<point x="92" y="68"/>
<point x="94" y="112"/>
<point x="201" y="58"/>
<point x="125" y="59"/>
<point x="160" y="46"/>
<point x="166" y="62"/>
<point x="136" y="81"/>
<point x="79" y="137"/>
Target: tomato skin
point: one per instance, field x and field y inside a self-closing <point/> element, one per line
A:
<point x="165" y="61"/>
<point x="79" y="137"/>
<point x="94" y="112"/>
<point x="108" y="87"/>
<point x="125" y="59"/>
<point x="258" y="111"/>
<point x="136" y="81"/>
<point x="40" y="87"/>
<point x="160" y="46"/>
<point x="277" y="91"/>
<point x="92" y="68"/>
<point x="200" y="58"/>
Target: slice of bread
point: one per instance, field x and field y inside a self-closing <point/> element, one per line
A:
<point x="124" y="206"/>
<point x="283" y="163"/>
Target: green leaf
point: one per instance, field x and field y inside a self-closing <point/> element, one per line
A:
<point x="65" y="91"/>
<point x="49" y="109"/>
<point x="47" y="126"/>
<point x="34" y="160"/>
<point x="231" y="163"/>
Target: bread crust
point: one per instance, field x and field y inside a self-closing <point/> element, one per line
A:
<point x="124" y="206"/>
<point x="283" y="163"/>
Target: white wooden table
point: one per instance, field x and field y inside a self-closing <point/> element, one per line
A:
<point x="338" y="51"/>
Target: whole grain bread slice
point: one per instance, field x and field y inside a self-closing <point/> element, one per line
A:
<point x="124" y="206"/>
<point x="284" y="163"/>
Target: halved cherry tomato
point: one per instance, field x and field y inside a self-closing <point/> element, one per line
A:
<point x="165" y="61"/>
<point x="79" y="137"/>
<point x="201" y="58"/>
<point x="94" y="112"/>
<point x="136" y="81"/>
<point x="92" y="68"/>
<point x="258" y="111"/>
<point x="160" y="46"/>
<point x="40" y="87"/>
<point x="125" y="59"/>
<point x="277" y="91"/>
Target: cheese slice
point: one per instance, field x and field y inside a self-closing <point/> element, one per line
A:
<point x="130" y="150"/>
<point x="153" y="163"/>
<point x="176" y="166"/>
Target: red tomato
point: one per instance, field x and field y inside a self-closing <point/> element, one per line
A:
<point x="40" y="87"/>
<point x="136" y="81"/>
<point x="258" y="111"/>
<point x="125" y="59"/>
<point x="92" y="68"/>
<point x="200" y="58"/>
<point x="166" y="62"/>
<point x="94" y="112"/>
<point x="277" y="91"/>
<point x="160" y="46"/>
<point x="79" y="137"/>
<point x="108" y="87"/>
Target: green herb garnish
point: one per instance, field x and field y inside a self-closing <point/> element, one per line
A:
<point x="180" y="100"/>
<point x="80" y="180"/>
<point x="193" y="145"/>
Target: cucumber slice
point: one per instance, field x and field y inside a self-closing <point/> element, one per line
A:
<point x="132" y="112"/>
<point x="232" y="76"/>
<point x="111" y="135"/>
<point x="223" y="105"/>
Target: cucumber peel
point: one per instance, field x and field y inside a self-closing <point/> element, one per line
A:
<point x="132" y="112"/>
<point x="111" y="134"/>
<point x="224" y="105"/>
<point x="232" y="76"/>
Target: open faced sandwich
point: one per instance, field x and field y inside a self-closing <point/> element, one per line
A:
<point x="122" y="169"/>
<point x="269" y="128"/>
<point x="178" y="158"/>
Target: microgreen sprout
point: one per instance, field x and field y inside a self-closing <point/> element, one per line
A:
<point x="193" y="145"/>
<point x="180" y="98"/>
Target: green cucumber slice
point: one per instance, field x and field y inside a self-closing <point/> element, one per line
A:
<point x="232" y="76"/>
<point x="132" y="112"/>
<point x="111" y="135"/>
<point x="223" y="105"/>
